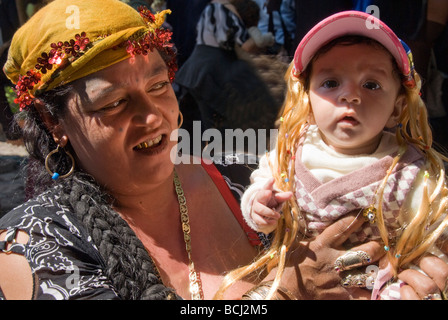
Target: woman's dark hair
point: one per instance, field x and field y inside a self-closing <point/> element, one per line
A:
<point x="39" y="141"/>
<point x="128" y="265"/>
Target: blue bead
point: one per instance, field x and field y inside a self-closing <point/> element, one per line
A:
<point x="55" y="176"/>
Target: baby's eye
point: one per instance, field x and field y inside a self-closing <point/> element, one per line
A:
<point x="330" y="84"/>
<point x="371" y="85"/>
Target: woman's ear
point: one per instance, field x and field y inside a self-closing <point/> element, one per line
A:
<point x="400" y="104"/>
<point x="53" y="125"/>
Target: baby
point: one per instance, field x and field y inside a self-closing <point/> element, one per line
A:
<point x="353" y="137"/>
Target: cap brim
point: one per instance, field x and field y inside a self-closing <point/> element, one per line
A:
<point x="349" y="23"/>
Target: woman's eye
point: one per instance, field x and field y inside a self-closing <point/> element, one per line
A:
<point x="371" y="85"/>
<point x="330" y="84"/>
<point x="159" y="85"/>
<point x="114" y="105"/>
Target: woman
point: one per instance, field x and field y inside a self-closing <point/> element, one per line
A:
<point x="112" y="216"/>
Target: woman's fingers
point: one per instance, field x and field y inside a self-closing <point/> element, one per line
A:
<point x="338" y="232"/>
<point x="408" y="293"/>
<point x="420" y="283"/>
<point x="354" y="266"/>
<point x="436" y="269"/>
<point x="428" y="283"/>
<point x="373" y="249"/>
<point x="360" y="258"/>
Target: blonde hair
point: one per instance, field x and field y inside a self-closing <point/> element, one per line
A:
<point x="421" y="232"/>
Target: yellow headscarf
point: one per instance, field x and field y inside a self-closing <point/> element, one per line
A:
<point x="90" y="36"/>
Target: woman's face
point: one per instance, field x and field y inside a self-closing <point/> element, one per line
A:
<point x="119" y="121"/>
<point x="354" y="95"/>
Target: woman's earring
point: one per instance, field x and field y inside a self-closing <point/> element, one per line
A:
<point x="181" y="120"/>
<point x="55" y="175"/>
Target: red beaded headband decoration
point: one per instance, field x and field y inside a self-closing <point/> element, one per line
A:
<point x="64" y="53"/>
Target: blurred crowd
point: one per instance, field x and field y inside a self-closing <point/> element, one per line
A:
<point x="231" y="73"/>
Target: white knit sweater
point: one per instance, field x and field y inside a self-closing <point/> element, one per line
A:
<point x="325" y="165"/>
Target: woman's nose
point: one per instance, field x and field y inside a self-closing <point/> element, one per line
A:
<point x="146" y="113"/>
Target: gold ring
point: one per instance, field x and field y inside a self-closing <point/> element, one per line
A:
<point x="357" y="279"/>
<point x="351" y="259"/>
<point x="432" y="296"/>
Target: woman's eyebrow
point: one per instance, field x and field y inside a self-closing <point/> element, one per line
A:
<point x="104" y="91"/>
<point x="159" y="68"/>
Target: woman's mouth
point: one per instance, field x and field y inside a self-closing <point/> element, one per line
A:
<point x="149" y="143"/>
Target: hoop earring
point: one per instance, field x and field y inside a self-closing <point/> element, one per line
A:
<point x="181" y="120"/>
<point x="55" y="175"/>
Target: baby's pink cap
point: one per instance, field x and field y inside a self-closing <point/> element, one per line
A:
<point x="351" y="23"/>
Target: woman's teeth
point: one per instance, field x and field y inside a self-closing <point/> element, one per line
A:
<point x="149" y="143"/>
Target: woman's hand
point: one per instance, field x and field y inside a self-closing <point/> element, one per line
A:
<point x="311" y="264"/>
<point x="432" y="286"/>
<point x="310" y="271"/>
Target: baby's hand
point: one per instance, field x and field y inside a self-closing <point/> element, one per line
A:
<point x="266" y="206"/>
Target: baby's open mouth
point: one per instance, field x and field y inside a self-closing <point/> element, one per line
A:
<point x="349" y="119"/>
<point x="149" y="143"/>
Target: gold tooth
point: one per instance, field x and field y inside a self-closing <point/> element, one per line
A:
<point x="146" y="145"/>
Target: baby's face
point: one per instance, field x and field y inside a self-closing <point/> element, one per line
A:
<point x="354" y="96"/>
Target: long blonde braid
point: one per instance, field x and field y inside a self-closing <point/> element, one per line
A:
<point x="430" y="220"/>
<point x="288" y="226"/>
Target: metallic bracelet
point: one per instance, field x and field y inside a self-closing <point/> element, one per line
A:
<point x="261" y="291"/>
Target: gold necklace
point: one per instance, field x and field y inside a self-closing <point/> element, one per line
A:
<point x="194" y="277"/>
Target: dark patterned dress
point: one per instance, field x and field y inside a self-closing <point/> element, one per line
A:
<point x="65" y="262"/>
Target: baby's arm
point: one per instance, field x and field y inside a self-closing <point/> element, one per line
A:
<point x="261" y="202"/>
<point x="266" y="207"/>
